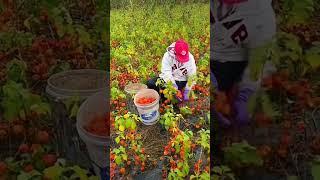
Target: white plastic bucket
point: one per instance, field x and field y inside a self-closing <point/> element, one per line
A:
<point x="149" y="113"/>
<point x="97" y="146"/>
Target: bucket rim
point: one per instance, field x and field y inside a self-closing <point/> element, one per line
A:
<point x="54" y="76"/>
<point x="62" y="96"/>
<point x="134" y="91"/>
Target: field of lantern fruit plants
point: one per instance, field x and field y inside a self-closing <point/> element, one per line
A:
<point x="283" y="139"/>
<point x="39" y="38"/>
<point x="179" y="142"/>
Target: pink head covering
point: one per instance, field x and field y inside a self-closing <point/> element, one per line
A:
<point x="182" y="51"/>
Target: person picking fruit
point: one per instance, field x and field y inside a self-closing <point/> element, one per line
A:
<point x="238" y="28"/>
<point x="178" y="65"/>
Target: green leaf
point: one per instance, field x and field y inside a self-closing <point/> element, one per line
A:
<point x="216" y="177"/>
<point x="26" y="22"/>
<point x="243" y="154"/>
<point x="121" y="128"/>
<point x="315" y="169"/>
<point x="205" y="176"/>
<point x="11" y="109"/>
<point x="93" y="178"/>
<point x="118" y="160"/>
<point x="313" y="57"/>
<point x="71" y="101"/>
<point x="133" y="125"/>
<point x="128" y="123"/>
<point x="125" y="157"/>
<point x="268" y="107"/>
<point x="116" y="151"/>
<point x="84" y="36"/>
<point x="81" y="173"/>
<point x="225" y="169"/>
<point x="53" y="172"/>
<point x="16" y="70"/>
<point x="59" y="68"/>
<point x="74" y="111"/>
<point x="252" y="104"/>
<point x="257" y="59"/>
<point x="217" y="170"/>
<point x="38" y="162"/>
<point x="298" y="12"/>
<point x="292" y="178"/>
<point x="117" y="139"/>
<point x="289" y="47"/>
<point x="50" y="3"/>
<point x="41" y="108"/>
<point x="231" y="176"/>
<point x="28" y="176"/>
<point x="59" y="23"/>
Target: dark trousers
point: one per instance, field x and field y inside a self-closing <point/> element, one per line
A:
<point x="152" y="85"/>
<point x="227" y="73"/>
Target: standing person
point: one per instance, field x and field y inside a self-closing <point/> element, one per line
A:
<point x="238" y="27"/>
<point x="178" y="65"/>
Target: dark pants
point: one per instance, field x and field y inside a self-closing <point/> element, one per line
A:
<point x="227" y="73"/>
<point x="152" y="85"/>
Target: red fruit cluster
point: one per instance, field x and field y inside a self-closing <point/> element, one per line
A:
<point x="49" y="159"/>
<point x="307" y="33"/>
<point x="179" y="95"/>
<point x="3" y="168"/>
<point x="99" y="126"/>
<point x="315" y="145"/>
<point x="43" y="137"/>
<point x="146" y="100"/>
<point x="119" y="105"/>
<point x="5" y="16"/>
<point x="264" y="151"/>
<point x="23" y="148"/>
<point x="222" y="104"/>
<point x="115" y="44"/>
<point x="45" y="53"/>
<point x="201" y="90"/>
<point x="125" y="77"/>
<point x="41" y="45"/>
<point x="300" y="90"/>
<point x="262" y="119"/>
<point x="197" y="166"/>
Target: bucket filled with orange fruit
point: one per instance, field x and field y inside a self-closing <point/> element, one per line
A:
<point x="93" y="128"/>
<point x="147" y="103"/>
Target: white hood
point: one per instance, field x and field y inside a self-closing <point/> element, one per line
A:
<point x="171" y="51"/>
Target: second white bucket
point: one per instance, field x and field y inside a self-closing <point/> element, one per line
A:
<point x="97" y="146"/>
<point x="149" y="113"/>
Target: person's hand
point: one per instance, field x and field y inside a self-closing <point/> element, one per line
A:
<point x="186" y="95"/>
<point x="241" y="106"/>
